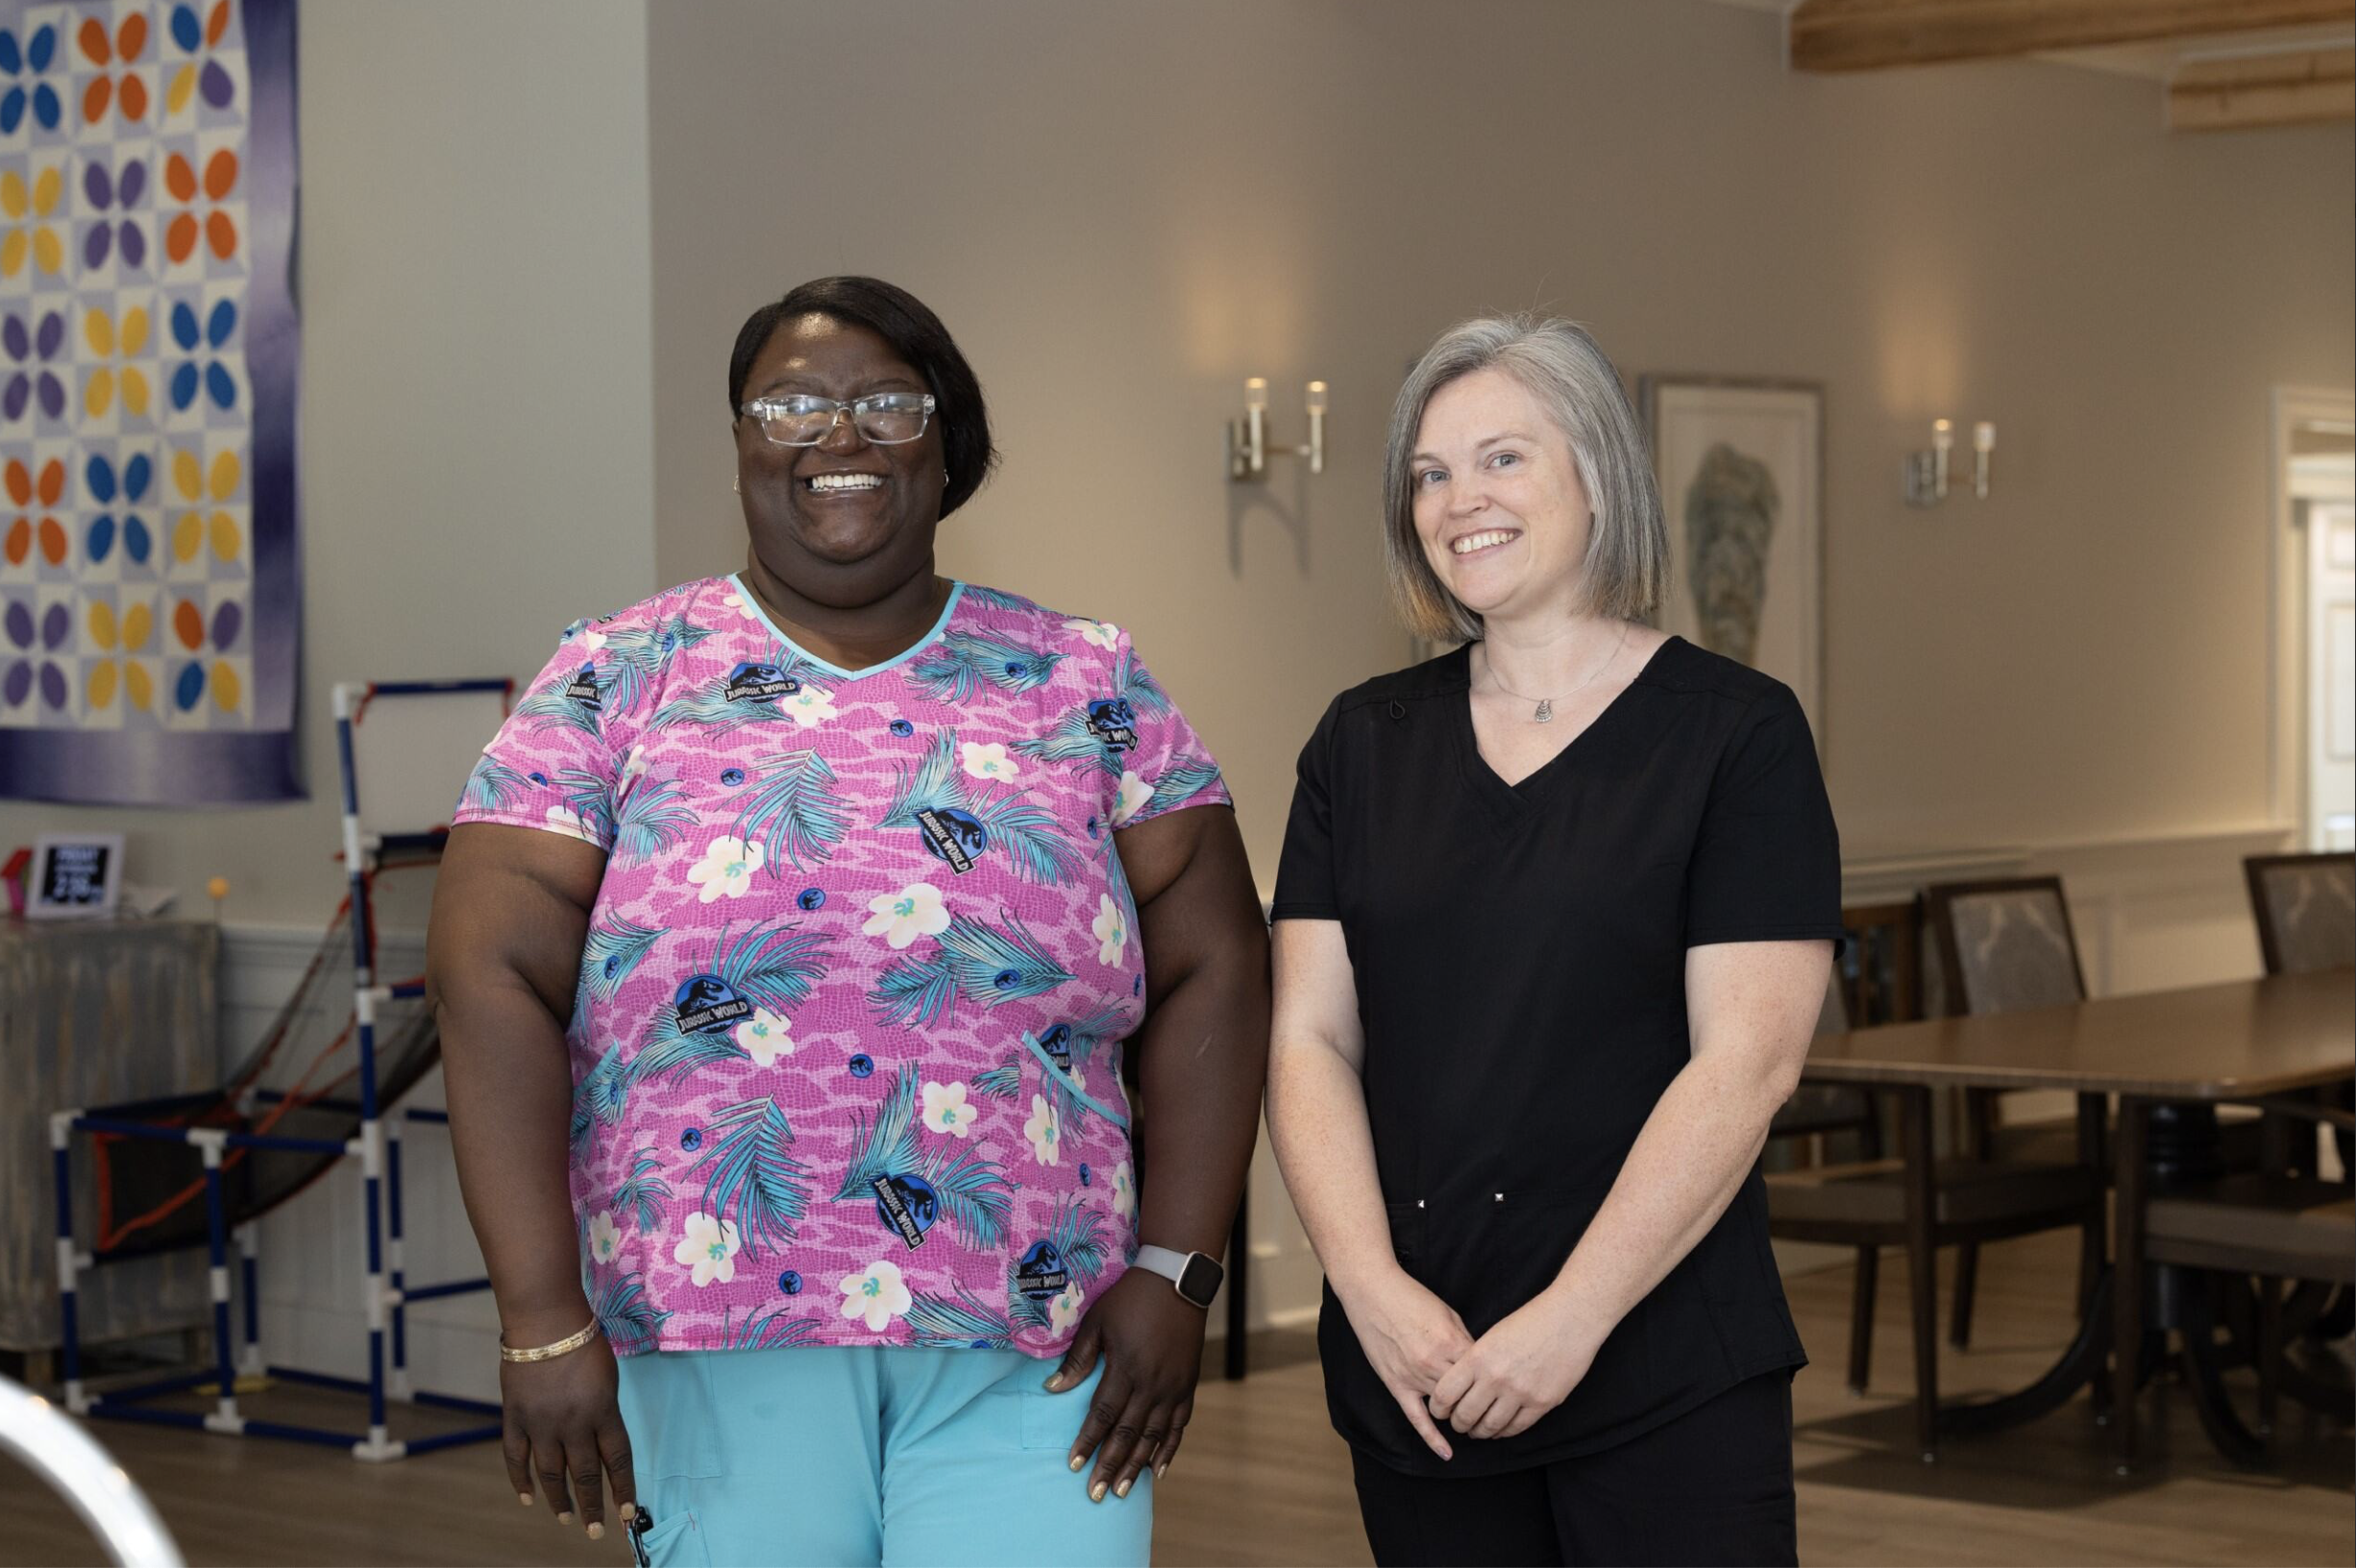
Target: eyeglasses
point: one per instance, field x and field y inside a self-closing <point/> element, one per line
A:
<point x="885" y="419"/>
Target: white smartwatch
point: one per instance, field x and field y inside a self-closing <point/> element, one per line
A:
<point x="1195" y="1275"/>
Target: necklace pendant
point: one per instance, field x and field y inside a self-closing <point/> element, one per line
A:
<point x="1546" y="711"/>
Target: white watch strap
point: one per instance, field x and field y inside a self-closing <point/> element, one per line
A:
<point x="1171" y="1266"/>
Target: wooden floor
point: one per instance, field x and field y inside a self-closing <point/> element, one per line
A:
<point x="1265" y="1481"/>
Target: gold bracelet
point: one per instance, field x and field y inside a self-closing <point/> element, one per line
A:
<point x="548" y="1353"/>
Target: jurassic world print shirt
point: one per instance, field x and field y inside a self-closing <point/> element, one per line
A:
<point x="846" y="1045"/>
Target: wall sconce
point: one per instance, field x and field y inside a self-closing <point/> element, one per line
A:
<point x="1247" y="438"/>
<point x="1926" y="471"/>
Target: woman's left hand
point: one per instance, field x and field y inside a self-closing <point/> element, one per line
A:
<point x="1151" y="1339"/>
<point x="1523" y="1368"/>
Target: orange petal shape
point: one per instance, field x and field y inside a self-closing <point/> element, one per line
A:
<point x="220" y="174"/>
<point x="53" y="482"/>
<point x="94" y="40"/>
<point x="221" y="231"/>
<point x="225" y="687"/>
<point x="138" y="622"/>
<point x="140" y="685"/>
<point x="101" y="689"/>
<point x="53" y="541"/>
<point x="134" y="96"/>
<point x="180" y="240"/>
<point x="227" y="536"/>
<point x="96" y="98"/>
<point x="19" y="541"/>
<point x="188" y="624"/>
<point x="130" y="37"/>
<point x="180" y="178"/>
<point x="187" y="537"/>
<point x="216" y="25"/>
<point x="187" y="474"/>
<point x="226" y="471"/>
<point x="19" y="482"/>
<point x="101" y="623"/>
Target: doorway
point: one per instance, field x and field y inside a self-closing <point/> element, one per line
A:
<point x="2315" y="616"/>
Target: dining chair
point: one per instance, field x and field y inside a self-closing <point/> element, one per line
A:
<point x="1830" y="1110"/>
<point x="2004" y="946"/>
<point x="2306" y="910"/>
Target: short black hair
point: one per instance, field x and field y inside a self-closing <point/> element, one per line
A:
<point x="915" y="334"/>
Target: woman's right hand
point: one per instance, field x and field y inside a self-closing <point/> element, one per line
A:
<point x="1411" y="1337"/>
<point x="564" y="1423"/>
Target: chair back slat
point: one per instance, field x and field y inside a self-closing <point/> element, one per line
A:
<point x="2006" y="945"/>
<point x="2305" y="907"/>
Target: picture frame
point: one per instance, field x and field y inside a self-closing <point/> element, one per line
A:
<point x="1740" y="462"/>
<point x="75" y="876"/>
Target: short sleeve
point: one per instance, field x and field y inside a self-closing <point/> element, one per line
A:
<point x="1305" y="872"/>
<point x="550" y="766"/>
<point x="1168" y="768"/>
<point x="1767" y="861"/>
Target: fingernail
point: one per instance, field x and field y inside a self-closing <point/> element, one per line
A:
<point x="1078" y="1461"/>
<point x="1123" y="1490"/>
<point x="1095" y="1494"/>
<point x="523" y="1498"/>
<point x="564" y="1518"/>
<point x="1161" y="1470"/>
<point x="597" y="1532"/>
<point x="630" y="1511"/>
<point x="1055" y="1385"/>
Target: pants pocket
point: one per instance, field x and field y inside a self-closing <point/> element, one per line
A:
<point x="1053" y="1420"/>
<point x="678" y="1542"/>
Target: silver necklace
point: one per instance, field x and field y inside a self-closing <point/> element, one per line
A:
<point x="1544" y="713"/>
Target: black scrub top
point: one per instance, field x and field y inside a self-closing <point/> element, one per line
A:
<point x="1519" y="952"/>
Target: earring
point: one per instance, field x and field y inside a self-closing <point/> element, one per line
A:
<point x="944" y="479"/>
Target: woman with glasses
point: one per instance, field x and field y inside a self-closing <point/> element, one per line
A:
<point x="1555" y="917"/>
<point x="786" y="955"/>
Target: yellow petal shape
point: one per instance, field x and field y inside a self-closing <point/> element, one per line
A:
<point x="101" y="687"/>
<point x="187" y="536"/>
<point x="176" y="97"/>
<point x="47" y="253"/>
<point x="99" y="328"/>
<point x="227" y="536"/>
<point x="135" y="330"/>
<point x="101" y="623"/>
<point x="47" y="187"/>
<point x="99" y="396"/>
<point x="189" y="475"/>
<point x="226" y="471"/>
<point x="224" y="686"/>
<point x="134" y="391"/>
<point x="139" y="684"/>
<point x="12" y="252"/>
<point x="138" y="622"/>
<point x="13" y="194"/>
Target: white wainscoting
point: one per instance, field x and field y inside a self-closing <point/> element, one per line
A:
<point x="2150" y="913"/>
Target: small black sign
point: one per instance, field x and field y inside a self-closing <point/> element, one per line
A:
<point x="708" y="1004"/>
<point x="954" y="836"/>
<point x="583" y="688"/>
<point x="74" y="875"/>
<point x="759" y="683"/>
<point x="908" y="1205"/>
<point x="1115" y="722"/>
<point x="1040" y="1274"/>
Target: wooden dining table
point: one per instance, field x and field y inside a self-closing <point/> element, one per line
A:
<point x="2190" y="1049"/>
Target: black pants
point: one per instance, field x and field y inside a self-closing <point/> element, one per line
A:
<point x="1712" y="1486"/>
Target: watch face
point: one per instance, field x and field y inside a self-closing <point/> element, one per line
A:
<point x="1199" y="1281"/>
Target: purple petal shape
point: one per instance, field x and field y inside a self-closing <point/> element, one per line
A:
<point x="19" y="683"/>
<point x="95" y="244"/>
<point x="214" y="83"/>
<point x="97" y="185"/>
<point x="12" y="334"/>
<point x="52" y="396"/>
<point x="20" y="623"/>
<point x="57" y="625"/>
<point x="20" y="393"/>
<point x="134" y="183"/>
<point x="53" y="685"/>
<point x="134" y="245"/>
<point x="49" y="335"/>
<point x="227" y="622"/>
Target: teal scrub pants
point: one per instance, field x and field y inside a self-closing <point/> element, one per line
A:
<point x="844" y="1454"/>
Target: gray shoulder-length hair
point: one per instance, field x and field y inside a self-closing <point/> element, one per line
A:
<point x="1561" y="363"/>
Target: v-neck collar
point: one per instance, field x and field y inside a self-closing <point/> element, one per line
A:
<point x="1512" y="803"/>
<point x="957" y="594"/>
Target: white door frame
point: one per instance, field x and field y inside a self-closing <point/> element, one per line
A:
<point x="2286" y="606"/>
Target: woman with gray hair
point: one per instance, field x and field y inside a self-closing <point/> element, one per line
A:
<point x="1555" y="917"/>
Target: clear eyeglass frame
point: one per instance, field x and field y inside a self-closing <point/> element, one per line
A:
<point x="881" y="418"/>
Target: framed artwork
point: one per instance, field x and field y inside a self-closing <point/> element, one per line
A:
<point x="75" y="875"/>
<point x="1741" y="470"/>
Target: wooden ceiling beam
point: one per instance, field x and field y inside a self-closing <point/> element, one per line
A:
<point x="2302" y="87"/>
<point x="1871" y="35"/>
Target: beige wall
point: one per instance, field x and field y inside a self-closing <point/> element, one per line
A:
<point x="472" y="250"/>
<point x="1122" y="210"/>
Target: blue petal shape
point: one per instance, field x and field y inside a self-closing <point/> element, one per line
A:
<point x="221" y="323"/>
<point x="137" y="541"/>
<point x="101" y="538"/>
<point x="183" y="385"/>
<point x="213" y="86"/>
<point x="187" y="31"/>
<point x="14" y="336"/>
<point x="99" y="476"/>
<point x="185" y="330"/>
<point x="221" y="384"/>
<point x="98" y="184"/>
<point x="11" y="110"/>
<point x="49" y="337"/>
<point x="45" y="107"/>
<point x="136" y="475"/>
<point x="44" y="47"/>
<point x="12" y="57"/>
<point x="189" y="687"/>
